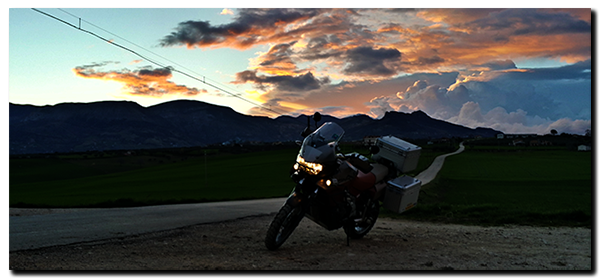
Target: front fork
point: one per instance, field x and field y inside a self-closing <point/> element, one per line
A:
<point x="294" y="199"/>
<point x="300" y="193"/>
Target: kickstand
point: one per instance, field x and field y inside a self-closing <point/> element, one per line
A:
<point x="348" y="240"/>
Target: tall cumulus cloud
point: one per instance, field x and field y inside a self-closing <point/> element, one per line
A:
<point x="511" y="101"/>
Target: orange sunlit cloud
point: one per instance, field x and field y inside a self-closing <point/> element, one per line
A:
<point x="454" y="37"/>
<point x="253" y="27"/>
<point x="373" y="60"/>
<point x="149" y="83"/>
<point x="473" y="36"/>
<point x="277" y="61"/>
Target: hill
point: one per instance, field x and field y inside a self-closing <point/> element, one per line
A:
<point x="117" y="125"/>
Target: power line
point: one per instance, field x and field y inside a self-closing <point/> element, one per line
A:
<point x="150" y="60"/>
<point x="203" y="80"/>
<point x="124" y="39"/>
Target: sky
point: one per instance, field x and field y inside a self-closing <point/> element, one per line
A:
<point x="520" y="70"/>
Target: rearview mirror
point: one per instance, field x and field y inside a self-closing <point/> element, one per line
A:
<point x="317" y="116"/>
<point x="307" y="131"/>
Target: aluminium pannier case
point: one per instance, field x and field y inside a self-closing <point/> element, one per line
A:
<point x="402" y="154"/>
<point x="401" y="194"/>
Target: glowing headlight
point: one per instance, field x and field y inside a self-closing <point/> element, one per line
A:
<point x="310" y="167"/>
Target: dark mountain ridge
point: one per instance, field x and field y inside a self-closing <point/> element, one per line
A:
<point x="116" y="125"/>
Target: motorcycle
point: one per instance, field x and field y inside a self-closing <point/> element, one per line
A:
<point x="332" y="189"/>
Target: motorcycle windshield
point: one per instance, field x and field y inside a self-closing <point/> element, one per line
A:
<point x="316" y="147"/>
<point x="327" y="133"/>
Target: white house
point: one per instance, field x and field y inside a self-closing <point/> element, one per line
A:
<point x="370" y="140"/>
<point x="584" y="148"/>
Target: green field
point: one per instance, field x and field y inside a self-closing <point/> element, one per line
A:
<point x="513" y="186"/>
<point x="491" y="186"/>
<point x="149" y="179"/>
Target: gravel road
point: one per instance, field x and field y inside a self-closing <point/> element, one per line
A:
<point x="391" y="245"/>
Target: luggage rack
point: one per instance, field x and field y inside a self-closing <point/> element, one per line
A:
<point x="402" y="193"/>
<point x="403" y="155"/>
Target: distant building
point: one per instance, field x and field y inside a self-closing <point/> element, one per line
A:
<point x="584" y="148"/>
<point x="513" y="136"/>
<point x="370" y="140"/>
<point x="518" y="142"/>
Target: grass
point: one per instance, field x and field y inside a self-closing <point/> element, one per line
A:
<point x="529" y="187"/>
<point x="155" y="177"/>
<point x="91" y="182"/>
<point x="483" y="186"/>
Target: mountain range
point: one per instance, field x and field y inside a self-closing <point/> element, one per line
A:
<point x="118" y="125"/>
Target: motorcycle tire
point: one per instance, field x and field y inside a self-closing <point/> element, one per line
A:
<point x="356" y="229"/>
<point x="282" y="226"/>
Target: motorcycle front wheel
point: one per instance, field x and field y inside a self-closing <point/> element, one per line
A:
<point x="283" y="225"/>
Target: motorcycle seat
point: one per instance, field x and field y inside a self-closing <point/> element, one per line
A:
<point x="380" y="171"/>
<point x="366" y="180"/>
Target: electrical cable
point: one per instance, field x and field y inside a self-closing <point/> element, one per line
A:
<point x="150" y="60"/>
<point x="124" y="39"/>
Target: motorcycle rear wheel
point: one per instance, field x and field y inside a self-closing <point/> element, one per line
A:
<point x="357" y="228"/>
<point x="283" y="225"/>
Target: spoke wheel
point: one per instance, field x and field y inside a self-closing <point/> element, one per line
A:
<point x="283" y="225"/>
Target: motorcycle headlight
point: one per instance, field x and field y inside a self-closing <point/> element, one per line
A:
<point x="310" y="167"/>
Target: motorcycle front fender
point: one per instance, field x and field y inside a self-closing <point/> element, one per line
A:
<point x="294" y="199"/>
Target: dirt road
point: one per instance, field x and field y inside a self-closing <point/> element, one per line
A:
<point x="429" y="174"/>
<point x="37" y="228"/>
<point x="391" y="245"/>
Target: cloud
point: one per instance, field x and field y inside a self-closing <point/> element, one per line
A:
<point x="516" y="122"/>
<point x="278" y="60"/>
<point x="380" y="105"/>
<point x="143" y="82"/>
<point x="97" y="64"/>
<point x="356" y="45"/>
<point x="338" y="111"/>
<point x="226" y="12"/>
<point x="498" y="65"/>
<point x="518" y="22"/>
<point x="250" y="27"/>
<point x="330" y="37"/>
<point x="456" y="35"/>
<point x="511" y="101"/>
<point x="281" y="83"/>
<point x="426" y="37"/>
<point x="576" y="71"/>
<point x="372" y="62"/>
<point x="454" y="64"/>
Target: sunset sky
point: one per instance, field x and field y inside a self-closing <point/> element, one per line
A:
<point x="515" y="70"/>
